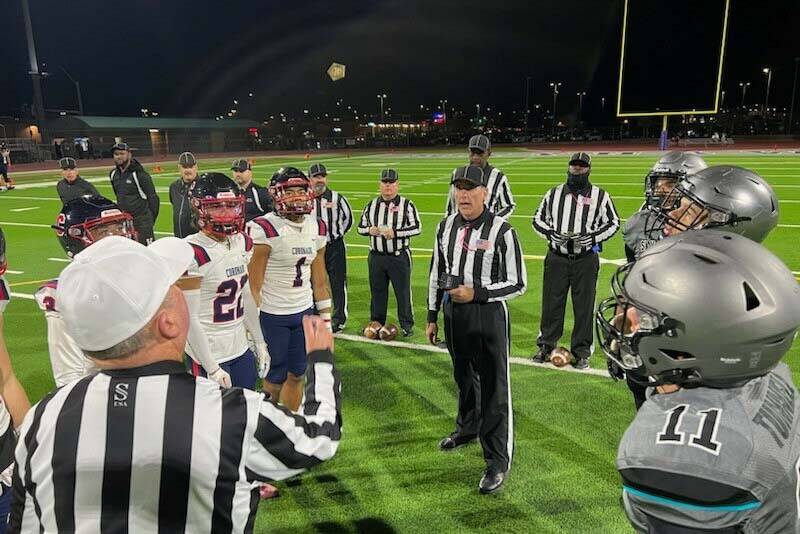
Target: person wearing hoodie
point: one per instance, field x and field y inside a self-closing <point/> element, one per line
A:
<point x="135" y="191"/>
<point x="575" y="218"/>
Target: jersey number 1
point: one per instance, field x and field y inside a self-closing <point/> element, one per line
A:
<point x="298" y="279"/>
<point x="226" y="306"/>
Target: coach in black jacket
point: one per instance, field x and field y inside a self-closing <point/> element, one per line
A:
<point x="183" y="222"/>
<point x="135" y="191"/>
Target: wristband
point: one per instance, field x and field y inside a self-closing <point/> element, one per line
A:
<point x="322" y="304"/>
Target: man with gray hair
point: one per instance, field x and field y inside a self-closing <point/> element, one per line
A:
<point x="143" y="446"/>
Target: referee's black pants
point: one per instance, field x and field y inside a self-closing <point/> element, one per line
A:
<point x="478" y="338"/>
<point x="336" y="265"/>
<point x="385" y="268"/>
<point x="560" y="275"/>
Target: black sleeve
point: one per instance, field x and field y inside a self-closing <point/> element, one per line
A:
<point x="60" y="189"/>
<point x="146" y="182"/>
<point x="92" y="189"/>
<point x="265" y="198"/>
<point x="629" y="254"/>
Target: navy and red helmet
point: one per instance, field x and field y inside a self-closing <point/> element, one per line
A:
<point x="219" y="204"/>
<point x="88" y="219"/>
<point x="3" y="259"/>
<point x="291" y="202"/>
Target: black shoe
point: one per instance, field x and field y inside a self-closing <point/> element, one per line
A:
<point x="407" y="333"/>
<point x="542" y="356"/>
<point x="581" y="363"/>
<point x="337" y="328"/>
<point x="492" y="480"/>
<point x="454" y="441"/>
<point x="442" y="345"/>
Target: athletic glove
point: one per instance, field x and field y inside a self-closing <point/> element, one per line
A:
<point x="263" y="359"/>
<point x="220" y="377"/>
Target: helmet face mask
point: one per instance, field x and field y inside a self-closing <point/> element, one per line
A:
<point x="87" y="220"/>
<point x="219" y="205"/>
<point x="670" y="169"/>
<point x="291" y="191"/>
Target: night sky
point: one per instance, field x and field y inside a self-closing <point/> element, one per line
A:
<point x="193" y="57"/>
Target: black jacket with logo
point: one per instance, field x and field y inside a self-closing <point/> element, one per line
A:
<point x="183" y="220"/>
<point x="135" y="191"/>
<point x="79" y="188"/>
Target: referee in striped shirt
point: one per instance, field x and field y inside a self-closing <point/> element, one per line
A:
<point x="498" y="191"/>
<point x="390" y="221"/>
<point x="476" y="266"/>
<point x="334" y="209"/>
<point x="576" y="218"/>
<point x="143" y="446"/>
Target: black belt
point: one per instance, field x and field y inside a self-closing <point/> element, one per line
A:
<point x="573" y="256"/>
<point x="387" y="253"/>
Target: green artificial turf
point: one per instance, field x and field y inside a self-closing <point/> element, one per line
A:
<point x="398" y="402"/>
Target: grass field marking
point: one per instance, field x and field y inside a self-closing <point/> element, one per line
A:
<point x="519" y="360"/>
<point x="30" y="282"/>
<point x="22" y="296"/>
<point x="9" y="271"/>
<point x="62" y="260"/>
<point x="26" y="209"/>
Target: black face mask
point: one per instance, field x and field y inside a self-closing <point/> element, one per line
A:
<point x="577" y="182"/>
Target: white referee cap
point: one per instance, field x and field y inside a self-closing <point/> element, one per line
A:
<point x="112" y="289"/>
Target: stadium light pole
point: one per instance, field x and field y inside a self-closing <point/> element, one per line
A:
<point x="527" y="102"/>
<point x="768" y="72"/>
<point x="381" y="97"/>
<point x="555" y="86"/>
<point x="444" y="111"/>
<point x="580" y="103"/>
<point x="722" y="100"/>
<point x="744" y="86"/>
<point x="794" y="90"/>
<point x="77" y="90"/>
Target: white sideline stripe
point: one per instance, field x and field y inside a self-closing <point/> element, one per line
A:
<point x="520" y="360"/>
<point x="62" y="260"/>
<point x="26" y="209"/>
<point x="9" y="271"/>
<point x="22" y="296"/>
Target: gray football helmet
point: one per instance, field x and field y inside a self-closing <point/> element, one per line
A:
<point x="705" y="308"/>
<point x="672" y="166"/>
<point x="726" y="196"/>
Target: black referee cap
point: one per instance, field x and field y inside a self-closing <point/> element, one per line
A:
<point x="581" y="158"/>
<point x="470" y="174"/>
<point x="67" y="163"/>
<point x="479" y="142"/>
<point x="120" y="146"/>
<point x="388" y="175"/>
<point x="317" y="168"/>
<point x="240" y="165"/>
<point x="186" y="160"/>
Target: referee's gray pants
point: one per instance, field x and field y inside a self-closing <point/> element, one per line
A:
<point x="560" y="275"/>
<point x="478" y="338"/>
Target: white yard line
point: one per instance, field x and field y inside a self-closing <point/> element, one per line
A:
<point x="25" y="209"/>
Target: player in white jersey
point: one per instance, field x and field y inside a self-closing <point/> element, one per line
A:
<point x="80" y="223"/>
<point x="289" y="280"/>
<point x="217" y="289"/>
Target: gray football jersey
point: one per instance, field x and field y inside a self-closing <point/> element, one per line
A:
<point x="641" y="231"/>
<point x="696" y="441"/>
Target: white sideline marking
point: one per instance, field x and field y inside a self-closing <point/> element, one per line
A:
<point x="25" y="209"/>
<point x="22" y="296"/>
<point x="63" y="260"/>
<point x="9" y="271"/>
<point x="520" y="360"/>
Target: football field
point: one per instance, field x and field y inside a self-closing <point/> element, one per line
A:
<point x="399" y="400"/>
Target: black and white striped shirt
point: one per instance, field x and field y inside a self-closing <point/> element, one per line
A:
<point x="334" y="209"/>
<point x="154" y="449"/>
<point x="400" y="214"/>
<point x="590" y="214"/>
<point x="485" y="252"/>
<point x="498" y="194"/>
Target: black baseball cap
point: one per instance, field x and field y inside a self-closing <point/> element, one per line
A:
<point x="187" y="159"/>
<point x="120" y="146"/>
<point x="240" y="165"/>
<point x="388" y="175"/>
<point x="470" y="174"/>
<point x="67" y="163"/>
<point x="581" y="158"/>
<point x="317" y="168"/>
<point x="480" y="142"/>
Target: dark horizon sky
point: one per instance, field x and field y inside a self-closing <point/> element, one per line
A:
<point x="184" y="57"/>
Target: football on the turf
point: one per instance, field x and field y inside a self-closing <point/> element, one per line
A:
<point x="372" y="329"/>
<point x="560" y="357"/>
<point x="388" y="332"/>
